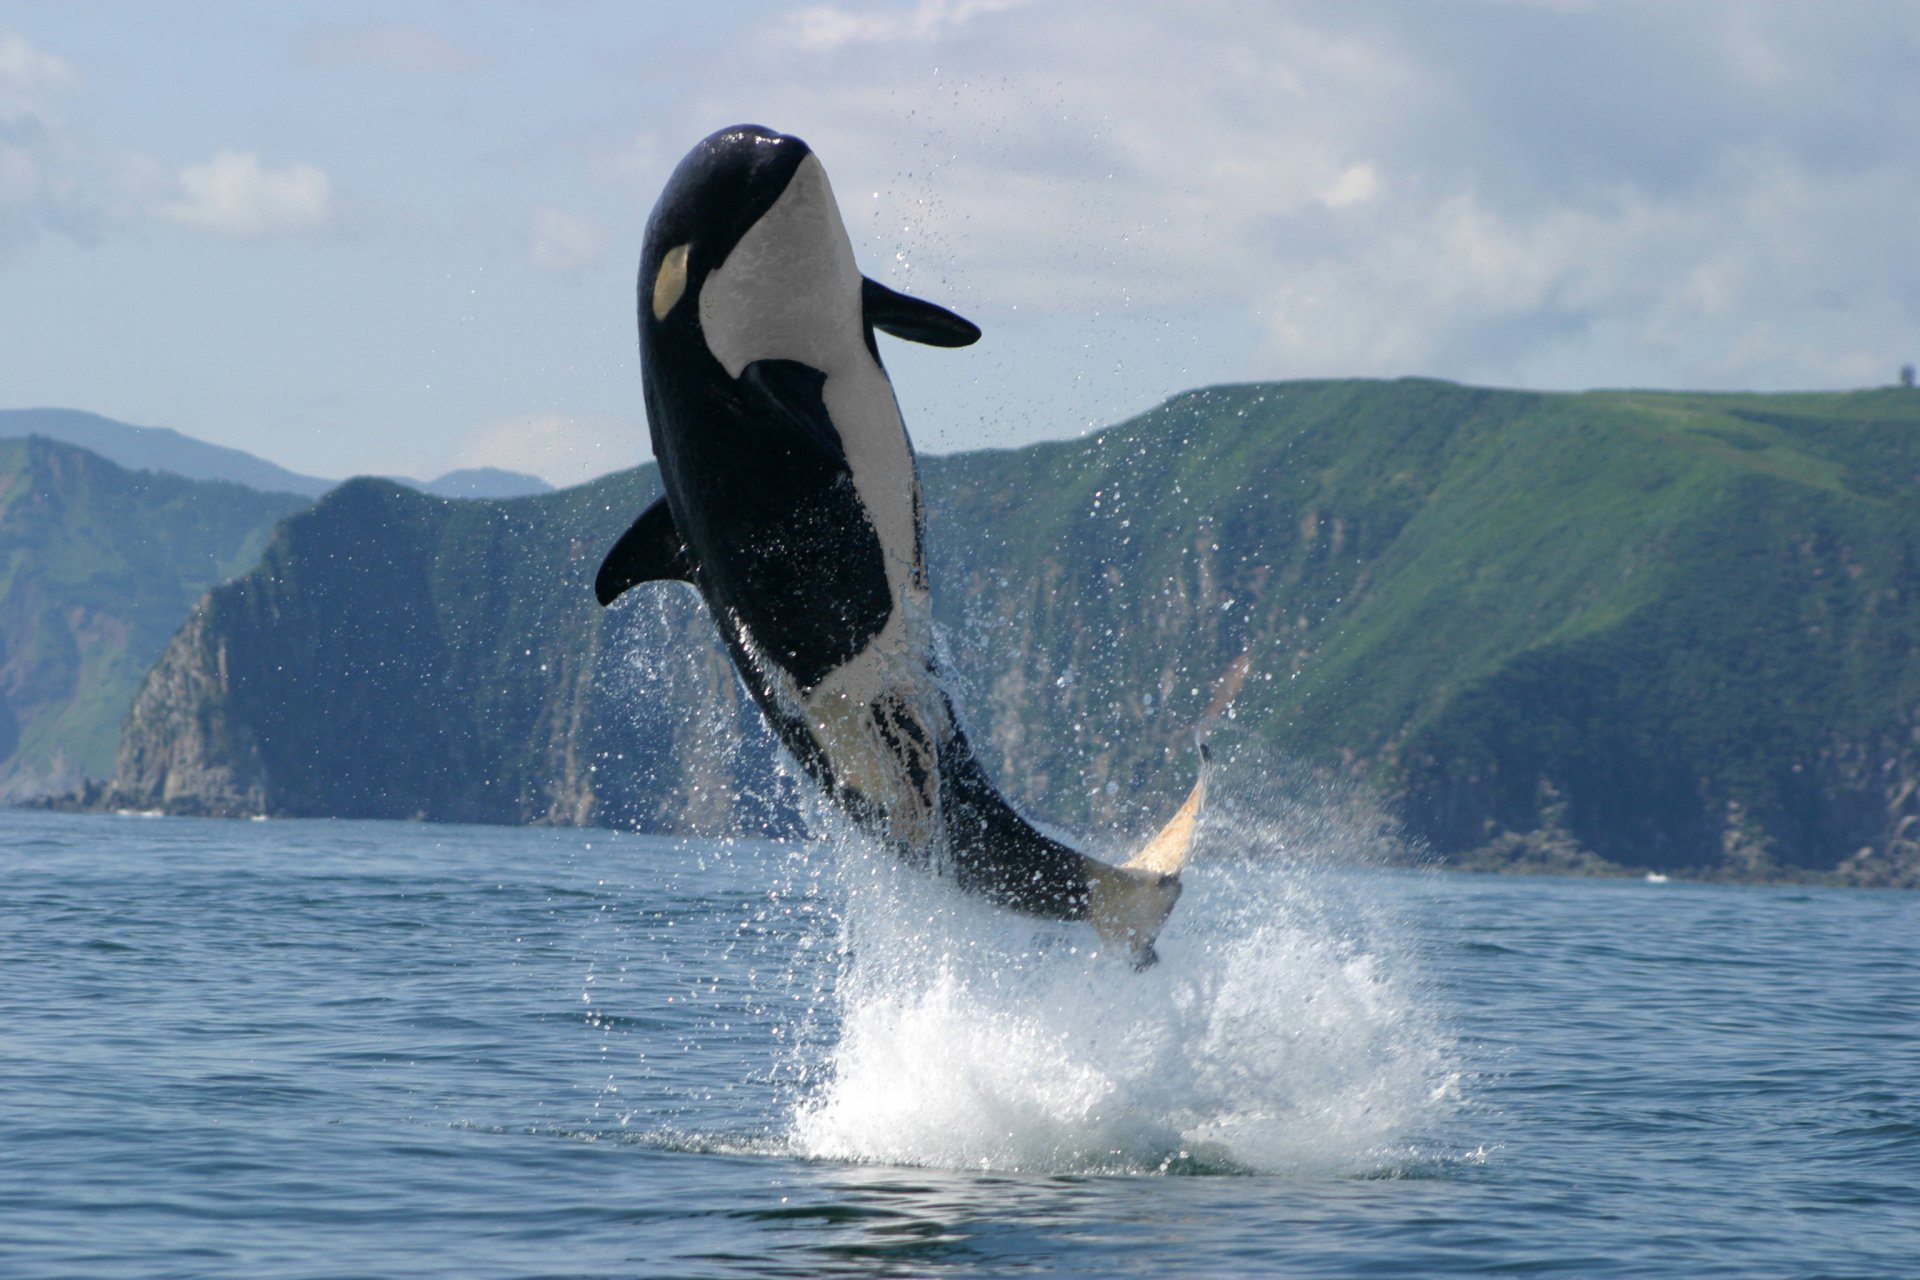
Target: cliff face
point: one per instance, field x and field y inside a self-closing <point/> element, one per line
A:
<point x="183" y="748"/>
<point x="98" y="565"/>
<point x="1742" y="698"/>
<point x="1630" y="630"/>
<point x="396" y="655"/>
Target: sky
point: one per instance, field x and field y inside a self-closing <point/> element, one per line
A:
<point x="401" y="238"/>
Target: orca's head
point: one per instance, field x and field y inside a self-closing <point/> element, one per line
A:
<point x="724" y="188"/>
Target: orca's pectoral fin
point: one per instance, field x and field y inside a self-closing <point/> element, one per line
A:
<point x="914" y="319"/>
<point x="651" y="550"/>
<point x="794" y="397"/>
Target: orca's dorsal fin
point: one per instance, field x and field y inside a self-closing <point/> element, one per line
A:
<point x="914" y="319"/>
<point x="651" y="550"/>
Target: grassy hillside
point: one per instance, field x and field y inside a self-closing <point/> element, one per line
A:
<point x="1631" y="629"/>
<point x="1672" y="630"/>
<point x="98" y="565"/>
<point x="1751" y="696"/>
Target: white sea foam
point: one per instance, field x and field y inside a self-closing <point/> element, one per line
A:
<point x="1279" y="1032"/>
<point x="1283" y="1030"/>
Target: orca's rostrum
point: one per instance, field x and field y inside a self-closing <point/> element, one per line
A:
<point x="793" y="505"/>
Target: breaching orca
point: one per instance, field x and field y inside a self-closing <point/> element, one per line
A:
<point x="793" y="505"/>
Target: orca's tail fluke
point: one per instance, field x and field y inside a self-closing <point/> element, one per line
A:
<point x="1001" y="856"/>
<point x="1167" y="852"/>
<point x="1129" y="903"/>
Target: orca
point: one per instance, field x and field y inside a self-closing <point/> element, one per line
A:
<point x="792" y="503"/>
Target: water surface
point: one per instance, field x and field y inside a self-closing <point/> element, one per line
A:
<point x="329" y="1048"/>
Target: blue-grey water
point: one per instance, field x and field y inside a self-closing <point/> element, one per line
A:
<point x="361" y="1049"/>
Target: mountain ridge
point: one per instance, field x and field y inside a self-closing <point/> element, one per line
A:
<point x="164" y="449"/>
<point x="1653" y="631"/>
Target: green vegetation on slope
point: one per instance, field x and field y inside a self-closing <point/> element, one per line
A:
<point x="1672" y="630"/>
<point x="397" y="655"/>
<point x="1751" y="709"/>
<point x="98" y="565"/>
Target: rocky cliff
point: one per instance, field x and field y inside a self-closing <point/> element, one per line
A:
<point x="396" y="655"/>
<point x="98" y="565"/>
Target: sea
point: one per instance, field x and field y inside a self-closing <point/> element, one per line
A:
<point x="360" y="1049"/>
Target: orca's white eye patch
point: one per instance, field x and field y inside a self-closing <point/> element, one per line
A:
<point x="671" y="284"/>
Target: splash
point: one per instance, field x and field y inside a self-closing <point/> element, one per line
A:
<point x="1285" y="1029"/>
<point x="1280" y="1032"/>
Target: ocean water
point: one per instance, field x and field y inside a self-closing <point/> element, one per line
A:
<point x="289" y="1049"/>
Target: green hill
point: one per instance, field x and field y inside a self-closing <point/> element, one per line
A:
<point x="1624" y="629"/>
<point x="396" y="655"/>
<point x="1675" y="631"/>
<point x="98" y="565"/>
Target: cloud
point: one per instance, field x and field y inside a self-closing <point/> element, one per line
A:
<point x="1031" y="152"/>
<point x="58" y="180"/>
<point x="54" y="180"/>
<point x="410" y="50"/>
<point x="1355" y="184"/>
<point x="565" y="243"/>
<point x="233" y="195"/>
<point x="26" y="72"/>
<point x="1533" y="191"/>
<point x="561" y="448"/>
<point x="1738" y="289"/>
<point x="825" y="26"/>
<point x="34" y="184"/>
<point x="44" y="174"/>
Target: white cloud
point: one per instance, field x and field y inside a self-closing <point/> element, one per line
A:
<point x="824" y="27"/>
<point x="565" y="243"/>
<point x="1544" y="193"/>
<point x="46" y="179"/>
<point x="26" y="72"/>
<point x="54" y="178"/>
<point x="1071" y="156"/>
<point x="54" y="181"/>
<point x="1757" y="279"/>
<point x="233" y="195"/>
<point x="1355" y="184"/>
<point x="561" y="448"/>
